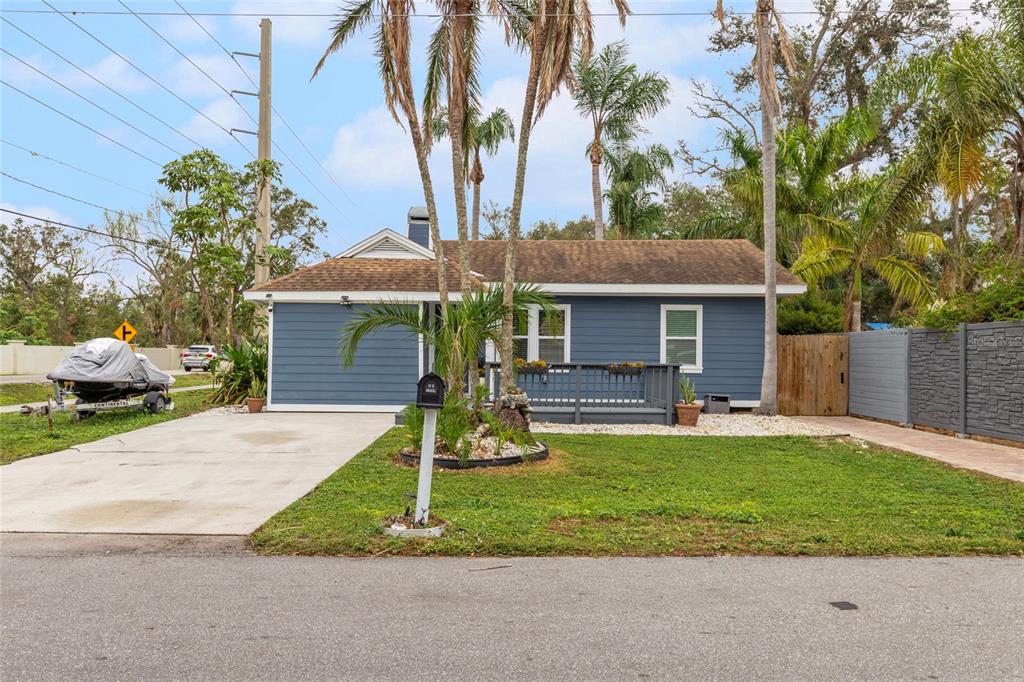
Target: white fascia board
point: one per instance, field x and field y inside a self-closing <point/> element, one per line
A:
<point x="292" y="407"/>
<point x="387" y="233"/>
<point x="577" y="289"/>
<point x="353" y="296"/>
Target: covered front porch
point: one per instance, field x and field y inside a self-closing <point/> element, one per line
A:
<point x="591" y="393"/>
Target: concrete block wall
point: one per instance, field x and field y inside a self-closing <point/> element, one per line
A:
<point x="935" y="383"/>
<point x="995" y="380"/>
<point x="18" y="358"/>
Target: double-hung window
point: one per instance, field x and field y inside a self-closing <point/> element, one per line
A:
<point x="542" y="335"/>
<point x="682" y="336"/>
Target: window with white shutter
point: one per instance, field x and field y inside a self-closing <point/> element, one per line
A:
<point x="681" y="336"/>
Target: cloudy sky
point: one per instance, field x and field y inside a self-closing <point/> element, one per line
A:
<point x="339" y="116"/>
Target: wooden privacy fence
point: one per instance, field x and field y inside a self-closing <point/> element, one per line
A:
<point x="813" y="374"/>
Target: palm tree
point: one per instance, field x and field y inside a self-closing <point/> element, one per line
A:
<point x="764" y="66"/>
<point x="973" y="94"/>
<point x="632" y="175"/>
<point x="452" y="63"/>
<point x="467" y="325"/>
<point x="810" y="189"/>
<point x="615" y="98"/>
<point x="486" y="135"/>
<point x="877" y="236"/>
<point x="550" y="30"/>
<point x="392" y="39"/>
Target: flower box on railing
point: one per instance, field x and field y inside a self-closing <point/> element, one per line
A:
<point x="532" y="367"/>
<point x="626" y="368"/>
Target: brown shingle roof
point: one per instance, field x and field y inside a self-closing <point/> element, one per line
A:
<point x="690" y="261"/>
<point x="711" y="261"/>
<point x="367" y="274"/>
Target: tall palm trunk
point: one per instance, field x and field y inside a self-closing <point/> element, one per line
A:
<point x="428" y="195"/>
<point x="458" y="95"/>
<point x="1017" y="197"/>
<point x="851" y="316"/>
<point x="595" y="185"/>
<point x="476" y="176"/>
<point x="525" y="126"/>
<point x="769" y="378"/>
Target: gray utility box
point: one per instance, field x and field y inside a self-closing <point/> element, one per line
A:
<point x="716" y="404"/>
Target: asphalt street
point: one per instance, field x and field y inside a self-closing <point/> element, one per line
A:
<point x="103" y="607"/>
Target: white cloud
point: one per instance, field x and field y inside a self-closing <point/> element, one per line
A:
<point x="225" y="112"/>
<point x="113" y="71"/>
<point x="373" y="151"/>
<point x="44" y="212"/>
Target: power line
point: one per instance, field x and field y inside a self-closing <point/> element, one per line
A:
<point x="81" y="201"/>
<point x="83" y="97"/>
<point x="239" y="104"/>
<point x="72" y="118"/>
<point x="272" y="107"/>
<point x="97" y="80"/>
<point x="435" y="15"/>
<point x="72" y="167"/>
<point x="154" y="80"/>
<point x="84" y="229"/>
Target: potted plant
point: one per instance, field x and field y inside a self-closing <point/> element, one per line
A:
<point x="257" y="396"/>
<point x="687" y="411"/>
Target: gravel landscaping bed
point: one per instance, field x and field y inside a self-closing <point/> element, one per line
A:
<point x="709" y="425"/>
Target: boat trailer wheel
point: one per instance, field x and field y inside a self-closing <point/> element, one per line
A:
<point x="155" y="402"/>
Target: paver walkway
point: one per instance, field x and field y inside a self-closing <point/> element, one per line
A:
<point x="998" y="460"/>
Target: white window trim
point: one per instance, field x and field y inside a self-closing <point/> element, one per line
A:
<point x="533" y="335"/>
<point x="533" y="347"/>
<point x="665" y="308"/>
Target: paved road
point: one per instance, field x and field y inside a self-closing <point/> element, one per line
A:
<point x="74" y="611"/>
<point x="210" y="473"/>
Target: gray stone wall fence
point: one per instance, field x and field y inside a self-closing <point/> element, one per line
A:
<point x="969" y="380"/>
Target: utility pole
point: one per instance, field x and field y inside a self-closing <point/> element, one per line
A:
<point x="263" y="154"/>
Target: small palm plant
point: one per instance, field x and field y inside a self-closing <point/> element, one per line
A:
<point x="456" y="337"/>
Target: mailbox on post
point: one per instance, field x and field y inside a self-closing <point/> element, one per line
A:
<point x="430" y="398"/>
<point x="430" y="392"/>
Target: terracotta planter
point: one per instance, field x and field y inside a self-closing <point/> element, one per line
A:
<point x="255" y="405"/>
<point x="687" y="415"/>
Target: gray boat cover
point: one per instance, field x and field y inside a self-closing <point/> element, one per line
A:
<point x="107" y="360"/>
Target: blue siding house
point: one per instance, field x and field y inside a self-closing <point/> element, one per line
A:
<point x="693" y="306"/>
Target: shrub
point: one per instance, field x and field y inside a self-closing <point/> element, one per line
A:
<point x="1001" y="298"/>
<point x="241" y="366"/>
<point x="809" y="314"/>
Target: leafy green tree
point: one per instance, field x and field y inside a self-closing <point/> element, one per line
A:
<point x="688" y="206"/>
<point x="486" y="135"/>
<point x="616" y="98"/>
<point x="635" y="176"/>
<point x="582" y="228"/>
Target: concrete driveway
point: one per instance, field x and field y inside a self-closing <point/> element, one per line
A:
<point x="210" y="473"/>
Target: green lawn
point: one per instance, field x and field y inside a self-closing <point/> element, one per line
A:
<point x="19" y="394"/>
<point x="22" y="436"/>
<point x="648" y="495"/>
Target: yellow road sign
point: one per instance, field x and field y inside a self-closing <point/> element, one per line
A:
<point x="125" y="331"/>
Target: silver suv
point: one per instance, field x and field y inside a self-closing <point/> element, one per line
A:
<point x="198" y="357"/>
